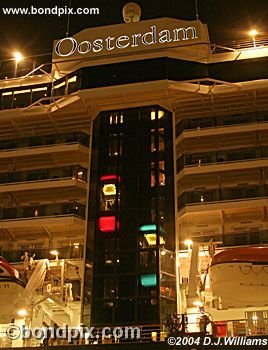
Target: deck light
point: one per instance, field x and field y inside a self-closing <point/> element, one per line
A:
<point x="22" y="312"/>
<point x="18" y="56"/>
<point x="253" y="33"/>
<point x="56" y="253"/>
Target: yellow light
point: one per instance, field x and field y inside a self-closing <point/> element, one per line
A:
<point x="153" y="115"/>
<point x="253" y="32"/>
<point x="54" y="252"/>
<point x="109" y="190"/>
<point x="198" y="303"/>
<point x="22" y="312"/>
<point x="188" y="242"/>
<point x="161" y="114"/>
<point x="18" y="56"/>
<point x="151" y="239"/>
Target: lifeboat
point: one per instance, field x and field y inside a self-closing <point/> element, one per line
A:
<point x="11" y="287"/>
<point x="239" y="277"/>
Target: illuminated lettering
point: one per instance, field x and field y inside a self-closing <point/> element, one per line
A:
<point x="151" y="35"/>
<point x="184" y="32"/>
<point x="97" y="45"/>
<point x="69" y="46"/>
<point x="134" y="38"/>
<point x="72" y="50"/>
<point x="120" y="40"/>
<point x="108" y="42"/>
<point x="86" y="44"/>
<point x="164" y="36"/>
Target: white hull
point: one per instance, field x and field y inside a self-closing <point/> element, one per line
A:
<point x="10" y="290"/>
<point x="239" y="284"/>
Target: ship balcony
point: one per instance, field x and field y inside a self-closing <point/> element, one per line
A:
<point x="208" y="126"/>
<point x="44" y="191"/>
<point x="72" y="251"/>
<point x="220" y="199"/>
<point x="64" y="215"/>
<point x="44" y="151"/>
<point x="199" y="163"/>
<point x="43" y="186"/>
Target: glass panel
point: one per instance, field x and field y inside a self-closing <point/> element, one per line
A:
<point x="21" y="98"/>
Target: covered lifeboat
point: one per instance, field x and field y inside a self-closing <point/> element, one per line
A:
<point x="239" y="277"/>
<point x="11" y="287"/>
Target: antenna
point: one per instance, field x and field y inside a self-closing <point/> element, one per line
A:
<point x="196" y="10"/>
<point x="68" y="20"/>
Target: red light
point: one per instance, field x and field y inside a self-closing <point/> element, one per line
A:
<point x="107" y="223"/>
<point x="110" y="177"/>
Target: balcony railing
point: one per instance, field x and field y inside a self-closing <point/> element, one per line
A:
<point x="38" y="211"/>
<point x="45" y="140"/>
<point x="217" y="195"/>
<point x="75" y="171"/>
<point x="225" y="239"/>
<point x="220" y="121"/>
<point x="219" y="157"/>
<point x="69" y="252"/>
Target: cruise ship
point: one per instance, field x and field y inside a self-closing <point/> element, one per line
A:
<point x="133" y="182"/>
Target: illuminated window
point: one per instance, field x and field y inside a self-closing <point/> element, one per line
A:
<point x="162" y="178"/>
<point x="151" y="239"/>
<point x="148" y="280"/>
<point x="107" y="223"/>
<point x="148" y="228"/>
<point x="161" y="174"/>
<point x="110" y="177"/>
<point x="116" y="118"/>
<point x="109" y="189"/>
<point x="110" y="194"/>
<point x="109" y="197"/>
<point x="159" y="114"/>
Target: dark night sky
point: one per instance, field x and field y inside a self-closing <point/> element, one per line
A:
<point x="227" y="20"/>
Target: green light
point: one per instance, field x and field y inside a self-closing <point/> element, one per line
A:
<point x="145" y="228"/>
<point x="148" y="280"/>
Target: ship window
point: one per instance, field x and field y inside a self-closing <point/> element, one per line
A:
<point x="158" y="114"/>
<point x="73" y="84"/>
<point x="161" y="174"/>
<point x="107" y="223"/>
<point x="161" y="142"/>
<point x="148" y="280"/>
<point x="108" y="197"/>
<point x="7" y="98"/>
<point x="147" y="260"/>
<point x="109" y="288"/>
<point x="2" y="271"/>
<point x="39" y="93"/>
<point x="115" y="145"/>
<point x="116" y="118"/>
<point x="110" y="177"/>
<point x="21" y="98"/>
<point x="60" y="89"/>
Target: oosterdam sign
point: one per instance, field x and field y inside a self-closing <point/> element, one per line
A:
<point x="127" y="38"/>
<point x="152" y="37"/>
